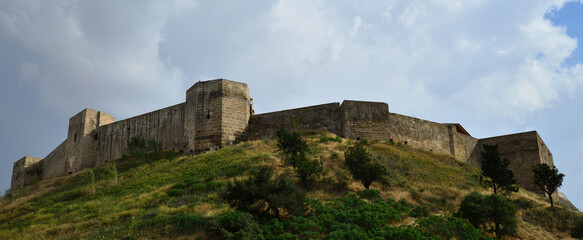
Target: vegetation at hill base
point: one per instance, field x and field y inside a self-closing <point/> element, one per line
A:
<point x="250" y="191"/>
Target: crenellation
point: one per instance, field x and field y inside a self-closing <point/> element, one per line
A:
<point x="219" y="113"/>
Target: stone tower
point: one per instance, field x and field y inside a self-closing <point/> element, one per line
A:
<point x="216" y="114"/>
<point x="81" y="143"/>
<point x="25" y="170"/>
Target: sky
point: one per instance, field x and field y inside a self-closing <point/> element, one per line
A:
<point x="496" y="67"/>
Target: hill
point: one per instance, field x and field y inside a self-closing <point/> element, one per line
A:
<point x="172" y="195"/>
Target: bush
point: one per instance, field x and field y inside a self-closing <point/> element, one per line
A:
<point x="361" y="166"/>
<point x="348" y="217"/>
<point x="186" y="222"/>
<point x="577" y="231"/>
<point x="138" y="147"/>
<point x="324" y="139"/>
<point x="264" y="194"/>
<point x="449" y="228"/>
<point x="234" y="225"/>
<point x="485" y="211"/>
<point x="368" y="194"/>
<point x="421" y="210"/>
<point x="173" y="192"/>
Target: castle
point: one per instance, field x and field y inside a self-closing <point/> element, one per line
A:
<point x="219" y="113"/>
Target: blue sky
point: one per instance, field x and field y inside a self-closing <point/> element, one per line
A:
<point x="495" y="67"/>
<point x="570" y="18"/>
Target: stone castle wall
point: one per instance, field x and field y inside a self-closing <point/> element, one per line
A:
<point x="218" y="113"/>
<point x="351" y="119"/>
<point x="420" y="133"/>
<point x="436" y="137"/>
<point x="164" y="126"/>
<point x="464" y="146"/>
<point x="320" y="117"/>
<point x="55" y="163"/>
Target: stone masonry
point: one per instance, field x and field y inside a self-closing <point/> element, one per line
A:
<point x="218" y="113"/>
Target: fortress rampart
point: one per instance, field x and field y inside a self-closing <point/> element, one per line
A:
<point x="219" y="113"/>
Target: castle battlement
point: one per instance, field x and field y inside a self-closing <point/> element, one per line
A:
<point x="219" y="113"/>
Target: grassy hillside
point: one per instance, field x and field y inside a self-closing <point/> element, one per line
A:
<point x="169" y="195"/>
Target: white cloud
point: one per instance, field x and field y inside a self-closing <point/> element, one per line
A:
<point x="479" y="55"/>
<point x="483" y="55"/>
<point x="413" y="12"/>
<point x="102" y="54"/>
<point x="357" y="24"/>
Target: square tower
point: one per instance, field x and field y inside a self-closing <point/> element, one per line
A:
<point x="81" y="143"/>
<point x="216" y="114"/>
<point x="524" y="150"/>
<point x="25" y="171"/>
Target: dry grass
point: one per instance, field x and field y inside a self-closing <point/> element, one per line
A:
<point x="529" y="231"/>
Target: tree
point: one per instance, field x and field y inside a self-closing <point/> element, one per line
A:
<point x="306" y="168"/>
<point x="496" y="172"/>
<point x="294" y="148"/>
<point x="547" y="179"/>
<point x="493" y="213"/>
<point x="361" y="166"/>
<point x="292" y="145"/>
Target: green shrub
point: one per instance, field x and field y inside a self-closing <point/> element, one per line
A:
<point x="368" y="194"/>
<point x="264" y="194"/>
<point x="186" y="222"/>
<point x="577" y="231"/>
<point x="324" y="139"/>
<point x="348" y="217"/>
<point x="234" y="225"/>
<point x="421" y="210"/>
<point x="334" y="155"/>
<point x="416" y="195"/>
<point x="403" y="232"/>
<point x="449" y="228"/>
<point x="138" y="147"/>
<point x="173" y="192"/>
